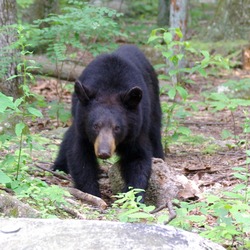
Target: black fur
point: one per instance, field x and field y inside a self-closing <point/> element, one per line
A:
<point x="117" y="92"/>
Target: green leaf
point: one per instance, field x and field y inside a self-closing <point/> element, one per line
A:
<point x="234" y="195"/>
<point x="19" y="128"/>
<point x="184" y="130"/>
<point x="239" y="187"/>
<point x="178" y="32"/>
<point x="182" y="92"/>
<point x="167" y="54"/>
<point x="180" y="56"/>
<point x="4" y="178"/>
<point x="248" y="152"/>
<point x="35" y="112"/>
<point x="219" y="97"/>
<point x="197" y="218"/>
<point x="148" y="209"/>
<point x="152" y="38"/>
<point x="18" y="102"/>
<point x="167" y="37"/>
<point x="172" y="93"/>
<point x="140" y="215"/>
<point x="205" y="54"/>
<point x="239" y="168"/>
<point x="6" y="102"/>
<point x="241" y="176"/>
<point x="202" y="72"/>
<point x="174" y="59"/>
<point x="212" y="199"/>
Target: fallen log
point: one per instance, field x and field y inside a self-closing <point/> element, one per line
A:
<point x="67" y="70"/>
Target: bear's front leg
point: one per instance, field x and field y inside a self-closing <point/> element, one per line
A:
<point x="136" y="167"/>
<point x="83" y="167"/>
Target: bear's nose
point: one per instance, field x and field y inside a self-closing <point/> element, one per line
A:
<point x="104" y="155"/>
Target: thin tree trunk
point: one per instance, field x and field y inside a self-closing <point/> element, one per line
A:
<point x="178" y="15"/>
<point x="7" y="54"/>
<point x="178" y="19"/>
<point x="40" y="10"/>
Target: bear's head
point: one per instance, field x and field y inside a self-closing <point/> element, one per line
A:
<point x="108" y="119"/>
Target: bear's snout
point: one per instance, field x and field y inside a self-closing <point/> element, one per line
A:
<point x="104" y="144"/>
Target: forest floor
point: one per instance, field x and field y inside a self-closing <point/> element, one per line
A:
<point x="205" y="157"/>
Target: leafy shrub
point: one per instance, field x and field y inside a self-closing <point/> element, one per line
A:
<point x="69" y="36"/>
<point x="130" y="208"/>
<point x="176" y="53"/>
<point x="16" y="141"/>
<point x="79" y="26"/>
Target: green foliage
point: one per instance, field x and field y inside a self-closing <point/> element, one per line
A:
<point x="14" y="113"/>
<point x="229" y="212"/>
<point x="131" y="210"/>
<point x="142" y="9"/>
<point x="24" y="3"/>
<point x="79" y="26"/>
<point x="47" y="199"/>
<point x="59" y="111"/>
<point x="220" y="101"/>
<point x="237" y="88"/>
<point x="17" y="141"/>
<point x="175" y="52"/>
<point x="69" y="36"/>
<point x="230" y="96"/>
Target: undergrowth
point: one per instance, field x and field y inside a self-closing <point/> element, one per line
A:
<point x="17" y="142"/>
<point x="223" y="218"/>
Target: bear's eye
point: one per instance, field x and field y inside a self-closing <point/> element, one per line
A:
<point x="96" y="127"/>
<point x="117" y="129"/>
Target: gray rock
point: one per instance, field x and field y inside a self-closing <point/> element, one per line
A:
<point x="34" y="234"/>
<point x="12" y="207"/>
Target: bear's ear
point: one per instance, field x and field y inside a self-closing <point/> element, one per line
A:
<point x="82" y="92"/>
<point x="133" y="97"/>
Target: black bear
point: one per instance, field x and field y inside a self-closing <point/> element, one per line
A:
<point x="115" y="108"/>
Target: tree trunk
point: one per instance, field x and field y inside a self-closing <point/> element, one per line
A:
<point x="40" y="10"/>
<point x="163" y="13"/>
<point x="7" y="54"/>
<point x="178" y="19"/>
<point x="231" y="21"/>
<point x="178" y="16"/>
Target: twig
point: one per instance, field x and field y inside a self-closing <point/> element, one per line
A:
<point x="204" y="123"/>
<point x="93" y="200"/>
<point x="85" y="197"/>
<point x="73" y="212"/>
<point x="169" y="205"/>
<point x="172" y="213"/>
<point x="53" y="172"/>
<point x="7" y="190"/>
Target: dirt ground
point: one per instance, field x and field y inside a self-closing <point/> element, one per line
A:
<point x="209" y="163"/>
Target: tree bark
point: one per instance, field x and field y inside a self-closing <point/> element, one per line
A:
<point x="178" y="16"/>
<point x="231" y="21"/>
<point x="7" y="54"/>
<point x="40" y="10"/>
<point x="178" y="19"/>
